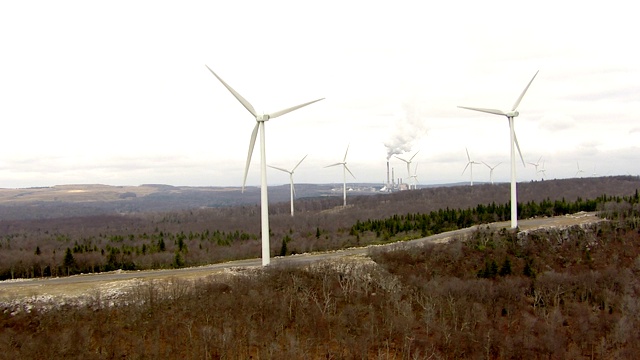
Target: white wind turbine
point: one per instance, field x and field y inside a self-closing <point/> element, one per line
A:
<point x="579" y="170"/>
<point x="415" y="177"/>
<point x="469" y="163"/>
<point x="536" y="164"/>
<point x="260" y="120"/>
<point x="491" y="170"/>
<point x="513" y="141"/>
<point x="408" y="163"/>
<point x="293" y="190"/>
<point x="344" y="175"/>
<point x="543" y="171"/>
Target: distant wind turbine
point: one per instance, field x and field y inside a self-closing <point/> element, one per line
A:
<point x="415" y="177"/>
<point x="344" y="175"/>
<point x="491" y="170"/>
<point x="513" y="141"/>
<point x="408" y="163"/>
<point x="579" y="170"/>
<point x="543" y="171"/>
<point x="293" y="190"/>
<point x="260" y="120"/>
<point x="469" y="163"/>
<point x="536" y="164"/>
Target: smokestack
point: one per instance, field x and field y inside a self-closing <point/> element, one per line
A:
<point x="393" y="177"/>
<point x="388" y="179"/>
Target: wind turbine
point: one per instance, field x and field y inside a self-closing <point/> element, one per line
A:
<point x="579" y="170"/>
<point x="469" y="163"/>
<point x="543" y="171"/>
<point x="293" y="190"/>
<point x="491" y="170"/>
<point x="536" y="164"/>
<point x="415" y="177"/>
<point x="408" y="163"/>
<point x="344" y="175"/>
<point x="513" y="140"/>
<point x="260" y="120"/>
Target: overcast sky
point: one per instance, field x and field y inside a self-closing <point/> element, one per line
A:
<point x="117" y="92"/>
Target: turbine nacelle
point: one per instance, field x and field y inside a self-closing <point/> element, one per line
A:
<point x="263" y="117"/>
<point x="512" y="114"/>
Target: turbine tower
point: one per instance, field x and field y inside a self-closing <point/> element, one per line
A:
<point x="344" y="176"/>
<point x="293" y="190"/>
<point x="491" y="170"/>
<point x="408" y="163"/>
<point x="513" y="141"/>
<point x="415" y="177"/>
<point x="260" y="123"/>
<point x="469" y="163"/>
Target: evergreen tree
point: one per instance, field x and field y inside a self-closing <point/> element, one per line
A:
<point x="178" y="261"/>
<point x="68" y="261"/>
<point x="528" y="269"/>
<point x="506" y="267"/>
<point x="283" y="248"/>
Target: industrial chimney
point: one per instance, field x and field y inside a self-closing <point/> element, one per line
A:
<point x="388" y="179"/>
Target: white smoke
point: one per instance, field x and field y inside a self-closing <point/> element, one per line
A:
<point x="406" y="131"/>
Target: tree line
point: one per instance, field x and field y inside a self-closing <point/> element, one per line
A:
<point x="176" y="240"/>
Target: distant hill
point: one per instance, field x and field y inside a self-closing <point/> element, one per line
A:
<point x="95" y="199"/>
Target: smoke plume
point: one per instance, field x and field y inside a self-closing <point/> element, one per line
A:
<point x="407" y="130"/>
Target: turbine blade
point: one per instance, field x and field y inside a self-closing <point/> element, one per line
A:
<point x="414" y="155"/>
<point x="487" y="165"/>
<point x="515" y="105"/>
<point x="252" y="143"/>
<point x="399" y="158"/>
<point x="242" y="100"/>
<point x="336" y="164"/>
<point x="282" y="112"/>
<point x="490" y="111"/>
<point x="293" y="187"/>
<point x="299" y="162"/>
<point x="518" y="146"/>
<point x="281" y="169"/>
<point x="465" y="168"/>
<point x="345" y="166"/>
<point x="345" y="154"/>
<point x="468" y="157"/>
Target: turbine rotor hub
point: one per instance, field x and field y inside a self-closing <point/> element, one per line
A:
<point x="513" y="113"/>
<point x="263" y="117"/>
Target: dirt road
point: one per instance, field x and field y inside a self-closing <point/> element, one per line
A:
<point x="110" y="285"/>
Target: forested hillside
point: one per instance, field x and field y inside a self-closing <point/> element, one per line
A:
<point x="568" y="293"/>
<point x="81" y="244"/>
